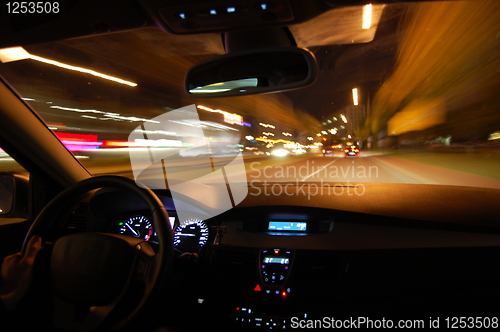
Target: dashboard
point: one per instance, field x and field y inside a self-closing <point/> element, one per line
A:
<point x="257" y="266"/>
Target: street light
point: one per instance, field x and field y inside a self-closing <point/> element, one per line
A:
<point x="343" y="118"/>
<point x="355" y="96"/>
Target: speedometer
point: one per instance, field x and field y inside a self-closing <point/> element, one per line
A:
<point x="136" y="226"/>
<point x="190" y="235"/>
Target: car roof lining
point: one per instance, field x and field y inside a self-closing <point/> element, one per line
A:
<point x="92" y="17"/>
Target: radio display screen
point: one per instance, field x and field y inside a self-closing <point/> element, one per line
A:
<point x="287" y="226"/>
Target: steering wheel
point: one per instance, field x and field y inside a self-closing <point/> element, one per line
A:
<point x="93" y="273"/>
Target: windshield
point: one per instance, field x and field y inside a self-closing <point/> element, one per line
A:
<point x="411" y="96"/>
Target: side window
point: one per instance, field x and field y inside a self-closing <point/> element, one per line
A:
<point x="8" y="164"/>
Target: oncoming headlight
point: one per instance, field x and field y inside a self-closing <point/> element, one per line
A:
<point x="280" y="152"/>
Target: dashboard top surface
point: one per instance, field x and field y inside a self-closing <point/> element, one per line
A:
<point x="312" y="227"/>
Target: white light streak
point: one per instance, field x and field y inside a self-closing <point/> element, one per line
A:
<point x="19" y="53"/>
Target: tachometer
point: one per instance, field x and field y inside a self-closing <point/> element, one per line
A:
<point x="136" y="226"/>
<point x="190" y="235"/>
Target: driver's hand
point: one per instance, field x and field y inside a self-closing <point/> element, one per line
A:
<point x="17" y="272"/>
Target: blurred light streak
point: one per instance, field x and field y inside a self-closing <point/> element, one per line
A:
<point x="231" y="118"/>
<point x="494" y="136"/>
<point x="159" y="143"/>
<point x="448" y="55"/>
<point x="413" y="118"/>
<point x="76" y="109"/>
<point x="162" y="132"/>
<point x="127" y="118"/>
<point x="108" y="115"/>
<point x="19" y="53"/>
<point x="273" y="140"/>
<point x="115" y="144"/>
<point x="79" y="142"/>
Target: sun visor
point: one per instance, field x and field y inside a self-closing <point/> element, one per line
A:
<point x="347" y="25"/>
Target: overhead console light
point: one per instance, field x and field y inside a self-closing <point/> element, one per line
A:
<point x="197" y="17"/>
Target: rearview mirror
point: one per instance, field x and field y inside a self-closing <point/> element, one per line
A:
<point x="251" y="72"/>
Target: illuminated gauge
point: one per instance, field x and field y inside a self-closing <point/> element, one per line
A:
<point x="136" y="226"/>
<point x="191" y="235"/>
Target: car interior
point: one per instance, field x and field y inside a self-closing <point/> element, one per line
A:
<point x="122" y="251"/>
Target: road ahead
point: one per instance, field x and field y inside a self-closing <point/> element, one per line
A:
<point x="475" y="170"/>
<point x="368" y="167"/>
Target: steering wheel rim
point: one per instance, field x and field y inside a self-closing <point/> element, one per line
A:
<point x="154" y="267"/>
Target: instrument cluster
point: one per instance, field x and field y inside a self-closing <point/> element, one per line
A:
<point x="189" y="235"/>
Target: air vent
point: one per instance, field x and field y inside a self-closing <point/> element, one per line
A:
<point x="317" y="266"/>
<point x="236" y="260"/>
<point x="235" y="268"/>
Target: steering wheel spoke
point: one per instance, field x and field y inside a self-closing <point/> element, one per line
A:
<point x="79" y="317"/>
